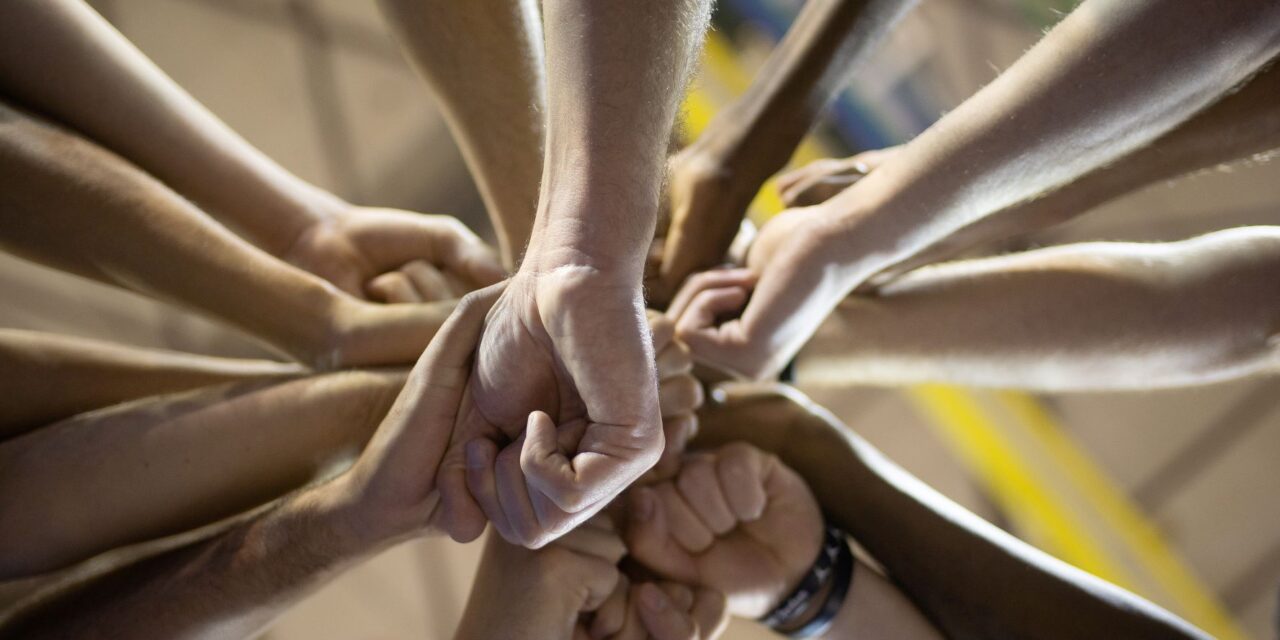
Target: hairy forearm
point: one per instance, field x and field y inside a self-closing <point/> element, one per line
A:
<point x="1075" y="317"/>
<point x="231" y="586"/>
<point x="1242" y="125"/>
<point x="165" y="465"/>
<point x="615" y="75"/>
<point x="53" y="376"/>
<point x="484" y="61"/>
<point x="110" y="91"/>
<point x="993" y="585"/>
<point x="1111" y="77"/>
<point x="74" y="206"/>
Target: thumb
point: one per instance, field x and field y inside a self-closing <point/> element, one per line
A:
<point x="545" y="467"/>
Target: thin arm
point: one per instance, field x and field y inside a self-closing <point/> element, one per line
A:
<point x="484" y="61"/>
<point x="165" y="465"/>
<point x="52" y="376"/>
<point x="1074" y="317"/>
<point x="970" y="578"/>
<point x="110" y="91"/>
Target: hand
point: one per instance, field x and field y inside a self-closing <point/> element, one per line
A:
<point x="387" y="255"/>
<point x="392" y="486"/>
<point x="561" y="411"/>
<point x="680" y="395"/>
<point x="735" y="520"/>
<point x="543" y="594"/>
<point x="820" y="180"/>
<point x="656" y="611"/>
<point x="791" y="286"/>
<point x="707" y="203"/>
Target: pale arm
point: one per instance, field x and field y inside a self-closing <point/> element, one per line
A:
<point x="1075" y="317"/>
<point x="51" y="376"/>
<point x="484" y="62"/>
<point x="77" y="207"/>
<point x="1110" y="78"/>
<point x="993" y="585"/>
<point x="715" y="178"/>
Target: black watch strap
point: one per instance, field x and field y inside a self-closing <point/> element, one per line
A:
<point x="834" y="565"/>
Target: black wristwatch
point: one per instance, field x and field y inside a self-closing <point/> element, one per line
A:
<point x="833" y="568"/>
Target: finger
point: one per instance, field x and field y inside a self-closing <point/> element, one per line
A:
<point x="700" y="487"/>
<point x="595" y="542"/>
<point x="513" y="495"/>
<point x="678" y="430"/>
<point x="427" y="281"/>
<point x="612" y="613"/>
<point x="546" y="468"/>
<point x="482" y="483"/>
<point x="688" y="530"/>
<point x="740" y="469"/>
<point x="601" y="579"/>
<point x="462" y="517"/>
<point x="818" y="189"/>
<point x="713" y="279"/>
<point x="674" y="359"/>
<point x="679" y="395"/>
<point x="632" y="626"/>
<point x="822" y="166"/>
<point x="681" y="596"/>
<point x="663" y="618"/>
<point x="393" y="287"/>
<point x="708" y="306"/>
<point x="662" y="327"/>
<point x="710" y="613"/>
<point x="649" y="538"/>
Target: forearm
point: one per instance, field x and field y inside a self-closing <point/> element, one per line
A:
<point x="485" y="64"/>
<point x="1134" y="69"/>
<point x="615" y="75"/>
<point x="1075" y="317"/>
<point x="1242" y="125"/>
<point x="875" y="608"/>
<point x="110" y="91"/>
<point x="994" y="585"/>
<point x="166" y="465"/>
<point x="755" y="136"/>
<point x="53" y="376"/>
<point x="77" y="207"/>
<point x="231" y="586"/>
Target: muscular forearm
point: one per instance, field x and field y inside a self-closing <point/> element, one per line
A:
<point x="75" y="206"/>
<point x="993" y="585"/>
<point x="1076" y="317"/>
<point x="110" y="91"/>
<point x="1112" y="77"/>
<point x="484" y="62"/>
<point x="51" y="376"/>
<point x="165" y="465"/>
<point x="231" y="586"/>
<point x="1244" y="124"/>
<point x="615" y="75"/>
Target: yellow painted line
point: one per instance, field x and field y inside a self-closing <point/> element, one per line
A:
<point x="1016" y="487"/>
<point x="1193" y="599"/>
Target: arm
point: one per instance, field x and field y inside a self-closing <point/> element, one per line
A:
<point x="485" y="63"/>
<point x="72" y="205"/>
<point x="1110" y="78"/>
<point x="567" y="347"/>
<point x="994" y="585"/>
<point x="716" y="177"/>
<point x="57" y="376"/>
<point x="234" y="585"/>
<point x="1075" y="317"/>
<point x="109" y="91"/>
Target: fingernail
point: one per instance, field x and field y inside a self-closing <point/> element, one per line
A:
<point x="475" y="455"/>
<point x="651" y="598"/>
<point x="642" y="509"/>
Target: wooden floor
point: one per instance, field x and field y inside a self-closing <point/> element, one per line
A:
<point x="1201" y="465"/>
